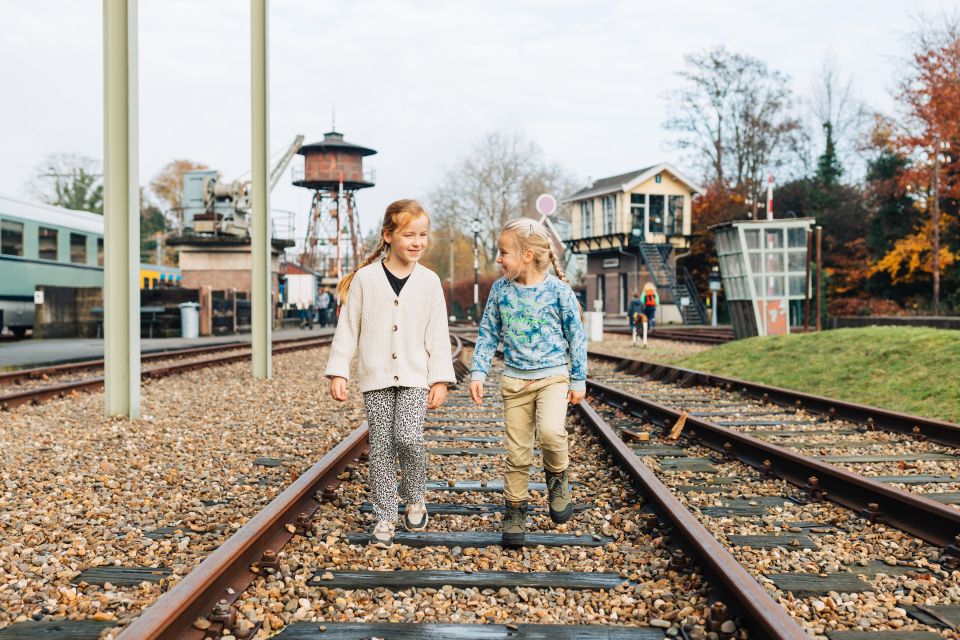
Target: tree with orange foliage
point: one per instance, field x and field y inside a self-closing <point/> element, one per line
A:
<point x="929" y="97"/>
<point x="168" y="183"/>
<point x="717" y="205"/>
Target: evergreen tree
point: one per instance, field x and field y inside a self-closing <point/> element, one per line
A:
<point x="828" y="165"/>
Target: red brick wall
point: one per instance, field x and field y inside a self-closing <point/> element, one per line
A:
<point x="223" y="280"/>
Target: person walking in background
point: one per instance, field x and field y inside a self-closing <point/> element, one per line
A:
<point x="538" y="318"/>
<point x="636" y="311"/>
<point x="323" y="305"/>
<point x="395" y="318"/>
<point x="651" y="300"/>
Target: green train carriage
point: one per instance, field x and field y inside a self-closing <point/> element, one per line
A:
<point x="44" y="245"/>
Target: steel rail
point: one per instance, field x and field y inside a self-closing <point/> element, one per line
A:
<point x="223" y="575"/>
<point x="924" y="518"/>
<point x="39" y="394"/>
<point x="35" y="373"/>
<point x="762" y="613"/>
<point x="940" y="431"/>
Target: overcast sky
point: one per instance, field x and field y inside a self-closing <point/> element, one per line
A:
<point x="419" y="81"/>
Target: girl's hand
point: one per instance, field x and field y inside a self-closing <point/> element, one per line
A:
<point x="574" y="397"/>
<point x="438" y="393"/>
<point x="338" y="389"/>
<point x="476" y="391"/>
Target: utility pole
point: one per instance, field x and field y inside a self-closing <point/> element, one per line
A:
<point x="818" y="292"/>
<point x="806" y="283"/>
<point x="261" y="306"/>
<point x="936" y="225"/>
<point x="453" y="241"/>
<point x="476" y="270"/>
<point x="121" y="206"/>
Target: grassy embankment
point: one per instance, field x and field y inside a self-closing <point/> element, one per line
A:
<point x="915" y="370"/>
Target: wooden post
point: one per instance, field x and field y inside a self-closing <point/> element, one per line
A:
<point x="806" y="283"/>
<point x="121" y="211"/>
<point x="206" y="310"/>
<point x="819" y="276"/>
<point x="233" y="298"/>
<point x="936" y="225"/>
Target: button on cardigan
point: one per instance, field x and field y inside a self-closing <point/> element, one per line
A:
<point x="402" y="340"/>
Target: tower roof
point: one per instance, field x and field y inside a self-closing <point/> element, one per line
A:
<point x="334" y="140"/>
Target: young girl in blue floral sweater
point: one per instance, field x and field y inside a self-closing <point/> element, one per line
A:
<point x="537" y="317"/>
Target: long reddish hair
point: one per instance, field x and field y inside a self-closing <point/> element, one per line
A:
<point x="397" y="216"/>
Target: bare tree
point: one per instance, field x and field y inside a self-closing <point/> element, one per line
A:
<point x="733" y="116"/>
<point x="703" y="106"/>
<point x="499" y="179"/>
<point x="69" y="180"/>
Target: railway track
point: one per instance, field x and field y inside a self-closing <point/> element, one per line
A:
<point x="613" y="559"/>
<point x="34" y="385"/>
<point x="891" y="466"/>
<point x="668" y="529"/>
<point x="699" y="335"/>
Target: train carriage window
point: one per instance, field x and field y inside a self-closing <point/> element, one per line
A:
<point x="11" y="238"/>
<point x="47" y="243"/>
<point x="78" y="248"/>
<point x="99" y="252"/>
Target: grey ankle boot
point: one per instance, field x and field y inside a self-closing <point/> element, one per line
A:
<point x="514" y="523"/>
<point x="558" y="492"/>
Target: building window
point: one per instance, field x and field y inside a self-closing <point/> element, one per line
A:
<point x="78" y="248"/>
<point x="609" y="208"/>
<point x="47" y="243"/>
<point x="674" y="224"/>
<point x="637" y="208"/>
<point x="586" y="218"/>
<point x="657" y="209"/>
<point x="99" y="252"/>
<point x="11" y="238"/>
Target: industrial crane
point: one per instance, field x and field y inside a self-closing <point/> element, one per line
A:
<point x="212" y="206"/>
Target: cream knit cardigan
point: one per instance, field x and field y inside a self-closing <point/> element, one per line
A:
<point x="402" y="340"/>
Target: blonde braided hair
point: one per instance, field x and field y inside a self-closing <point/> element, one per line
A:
<point x="530" y="235"/>
<point x="397" y="216"/>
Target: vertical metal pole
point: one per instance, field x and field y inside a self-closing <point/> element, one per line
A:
<point x="713" y="316"/>
<point x="819" y="292"/>
<point x="476" y="271"/>
<point x="121" y="211"/>
<point x="453" y="240"/>
<point x="261" y="307"/>
<point x="806" y="283"/>
<point x="936" y="225"/>
<point x="770" y="197"/>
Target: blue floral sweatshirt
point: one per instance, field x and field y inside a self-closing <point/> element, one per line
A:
<point x="538" y="325"/>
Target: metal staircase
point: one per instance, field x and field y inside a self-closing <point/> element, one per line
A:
<point x="671" y="289"/>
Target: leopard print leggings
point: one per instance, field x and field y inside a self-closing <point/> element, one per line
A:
<point x="395" y="416"/>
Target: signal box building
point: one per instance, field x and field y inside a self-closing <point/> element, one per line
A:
<point x="764" y="268"/>
<point x="631" y="227"/>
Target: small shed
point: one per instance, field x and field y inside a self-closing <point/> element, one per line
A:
<point x="763" y="264"/>
<point x="301" y="286"/>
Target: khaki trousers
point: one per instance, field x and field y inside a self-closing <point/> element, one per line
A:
<point x="533" y="409"/>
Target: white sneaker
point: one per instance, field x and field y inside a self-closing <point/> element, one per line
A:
<point x="415" y="519"/>
<point x="382" y="536"/>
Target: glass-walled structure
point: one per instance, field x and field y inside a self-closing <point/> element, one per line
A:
<point x="763" y="266"/>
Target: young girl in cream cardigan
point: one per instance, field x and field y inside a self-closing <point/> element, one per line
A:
<point x="395" y="320"/>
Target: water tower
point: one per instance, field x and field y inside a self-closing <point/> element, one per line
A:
<point x="333" y="170"/>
